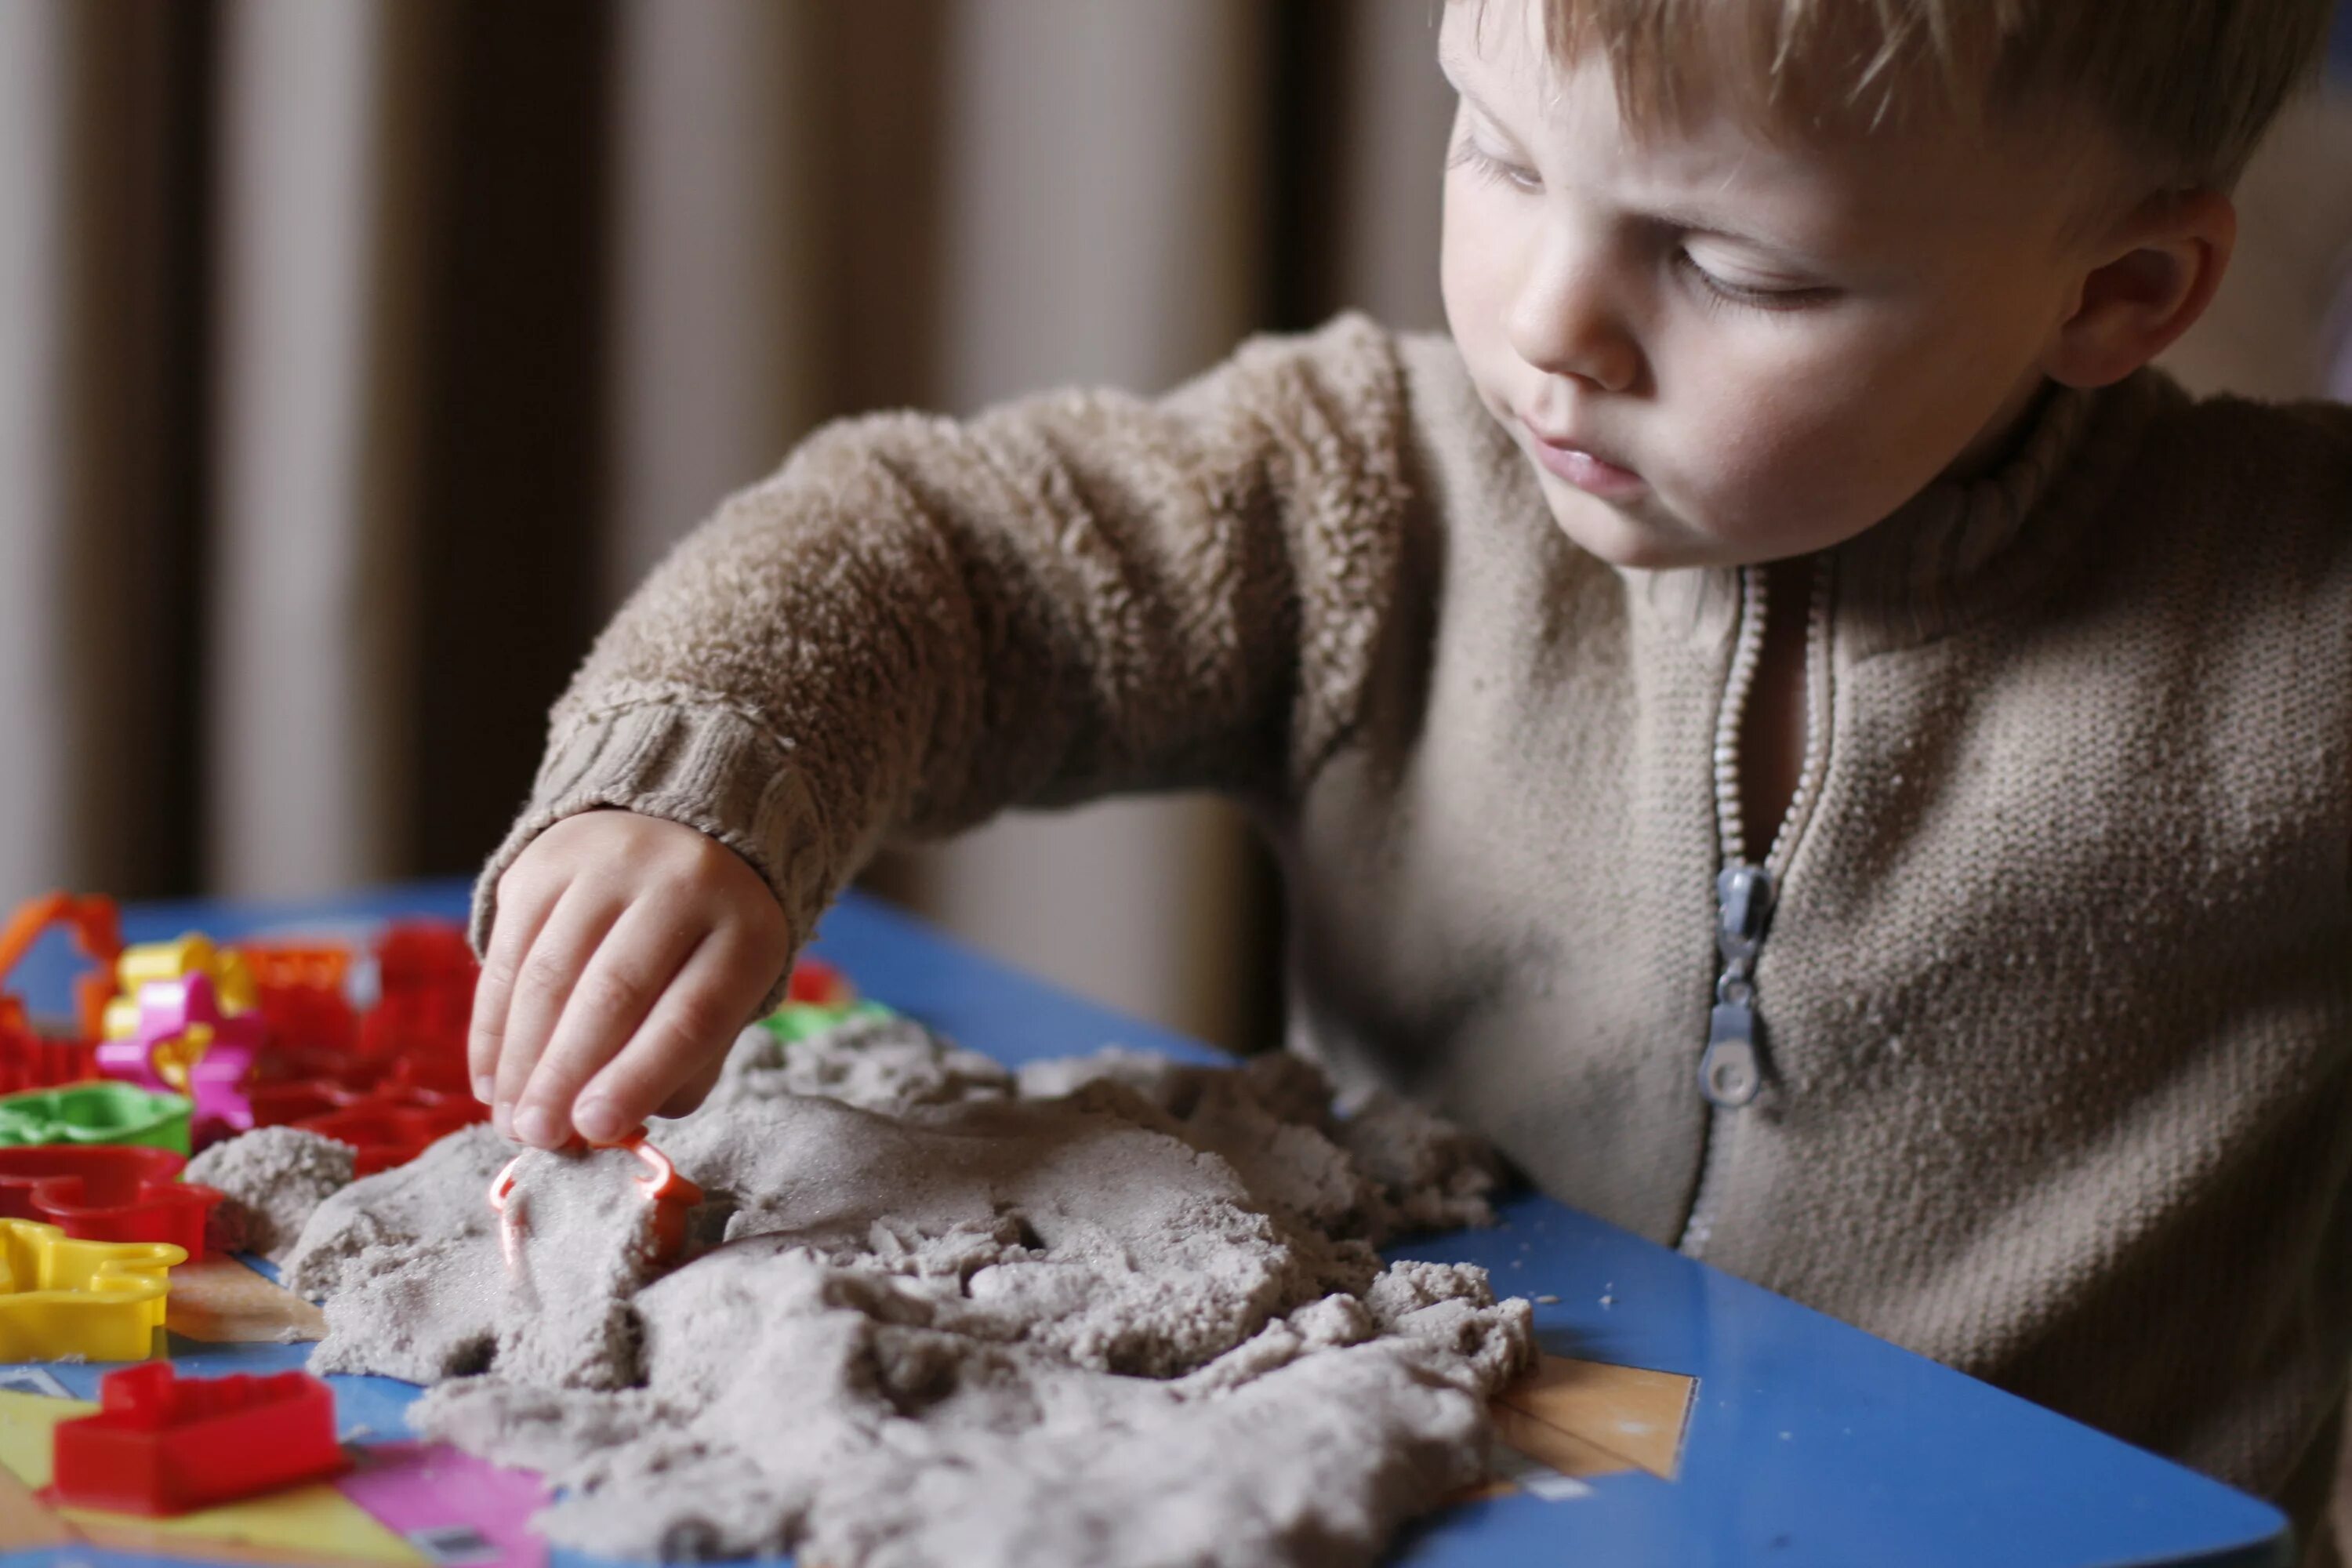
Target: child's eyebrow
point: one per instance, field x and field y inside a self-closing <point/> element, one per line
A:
<point x="1681" y="217"/>
<point x="1450" y="64"/>
<point x="1698" y="220"/>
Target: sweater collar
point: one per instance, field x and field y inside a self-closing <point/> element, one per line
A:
<point x="1960" y="549"/>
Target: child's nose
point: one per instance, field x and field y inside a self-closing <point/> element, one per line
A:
<point x="1565" y="319"/>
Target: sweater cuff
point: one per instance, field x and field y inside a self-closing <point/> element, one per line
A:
<point x="705" y="767"/>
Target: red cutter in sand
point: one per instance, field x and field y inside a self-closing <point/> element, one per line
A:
<point x="671" y="1195"/>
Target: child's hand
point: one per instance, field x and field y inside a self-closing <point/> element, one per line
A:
<point x="628" y="953"/>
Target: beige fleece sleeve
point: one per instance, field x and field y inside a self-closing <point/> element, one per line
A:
<point x="919" y="622"/>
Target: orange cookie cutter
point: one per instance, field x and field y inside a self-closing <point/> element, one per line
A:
<point x="670" y="1194"/>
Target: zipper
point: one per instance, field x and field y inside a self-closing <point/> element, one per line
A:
<point x="1731" y="1067"/>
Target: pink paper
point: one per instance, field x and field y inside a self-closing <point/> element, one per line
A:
<point x="458" y="1510"/>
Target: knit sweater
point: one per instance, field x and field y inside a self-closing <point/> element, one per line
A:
<point x="2056" y="1003"/>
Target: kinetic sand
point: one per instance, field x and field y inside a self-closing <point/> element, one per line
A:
<point x="1111" y="1312"/>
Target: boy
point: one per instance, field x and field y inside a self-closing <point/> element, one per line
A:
<point x="1781" y="722"/>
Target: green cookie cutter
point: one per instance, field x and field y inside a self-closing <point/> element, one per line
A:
<point x="797" y="1021"/>
<point x="95" y="1112"/>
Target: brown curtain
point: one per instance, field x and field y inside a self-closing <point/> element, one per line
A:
<point x="355" y="355"/>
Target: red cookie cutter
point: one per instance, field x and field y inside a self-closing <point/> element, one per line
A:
<point x="106" y="1191"/>
<point x="163" y="1445"/>
<point x="391" y="1127"/>
<point x="425" y="975"/>
<point x="283" y="1101"/>
<point x="30" y="1060"/>
<point x="300" y="992"/>
<point x="282" y="1093"/>
<point x="818" y="983"/>
<point x="671" y="1195"/>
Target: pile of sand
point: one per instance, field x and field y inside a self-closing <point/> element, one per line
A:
<point x="1111" y="1312"/>
<point x="271" y="1181"/>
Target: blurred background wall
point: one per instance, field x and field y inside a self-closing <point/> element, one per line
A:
<point x="356" y="355"/>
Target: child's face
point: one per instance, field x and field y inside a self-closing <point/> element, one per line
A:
<point x="1718" y="347"/>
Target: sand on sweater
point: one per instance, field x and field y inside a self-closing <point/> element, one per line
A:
<point x="270" y="1181"/>
<point x="1110" y="1311"/>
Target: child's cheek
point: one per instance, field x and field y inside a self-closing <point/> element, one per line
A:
<point x="1783" y="463"/>
<point x="1480" y="271"/>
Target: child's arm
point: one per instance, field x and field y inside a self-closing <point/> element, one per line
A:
<point x="914" y="625"/>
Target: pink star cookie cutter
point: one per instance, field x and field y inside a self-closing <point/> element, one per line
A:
<point x="186" y="1045"/>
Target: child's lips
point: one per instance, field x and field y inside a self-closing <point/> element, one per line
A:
<point x="1582" y="468"/>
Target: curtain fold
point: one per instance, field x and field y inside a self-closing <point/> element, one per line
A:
<point x="1106" y="198"/>
<point x="98" y="455"/>
<point x="719" y="355"/>
<point x="322" y="196"/>
<point x="35" y="689"/>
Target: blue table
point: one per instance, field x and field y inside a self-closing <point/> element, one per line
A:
<point x="1808" y="1442"/>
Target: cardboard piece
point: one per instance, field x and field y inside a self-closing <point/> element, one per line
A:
<point x="220" y="1301"/>
<point x="1586" y="1418"/>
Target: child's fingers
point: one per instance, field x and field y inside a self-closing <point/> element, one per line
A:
<point x="558" y="955"/>
<point x="687" y="1034"/>
<point x="524" y="905"/>
<point x="634" y="964"/>
<point x="688" y="1096"/>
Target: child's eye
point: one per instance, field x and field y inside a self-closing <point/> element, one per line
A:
<point x="1468" y="154"/>
<point x="1730" y="292"/>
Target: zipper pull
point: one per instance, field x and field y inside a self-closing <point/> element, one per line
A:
<point x="1743" y="905"/>
<point x="1732" y="1070"/>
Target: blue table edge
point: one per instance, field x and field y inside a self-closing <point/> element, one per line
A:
<point x="976" y="999"/>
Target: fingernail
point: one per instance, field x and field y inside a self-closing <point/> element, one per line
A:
<point x="484" y="1088"/>
<point x="595" y="1121"/>
<point x="535" y="1126"/>
<point x="502" y="1118"/>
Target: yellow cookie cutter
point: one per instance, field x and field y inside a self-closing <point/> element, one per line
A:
<point x="193" y="954"/>
<point x="59" y="1297"/>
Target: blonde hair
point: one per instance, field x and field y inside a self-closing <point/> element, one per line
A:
<point x="2189" y="86"/>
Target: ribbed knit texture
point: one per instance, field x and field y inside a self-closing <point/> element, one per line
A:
<point x="2058" y="1000"/>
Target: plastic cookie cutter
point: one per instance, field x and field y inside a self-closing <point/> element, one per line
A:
<point x="185" y="1042"/>
<point x="392" y="1126"/>
<point x="427" y="975"/>
<point x="671" y="1195"/>
<point x="103" y="1112"/>
<point x="30" y="1060"/>
<point x="161" y="1444"/>
<point x="97" y="928"/>
<point x="60" y="1299"/>
<point x="296" y="966"/>
<point x="819" y="984"/>
<point x="301" y="994"/>
<point x="107" y="1192"/>
<point x="816" y="998"/>
<point x="797" y="1021"/>
<point x="181" y="958"/>
<point x="281" y="1101"/>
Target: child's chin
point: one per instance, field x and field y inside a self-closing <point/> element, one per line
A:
<point x="1602" y="531"/>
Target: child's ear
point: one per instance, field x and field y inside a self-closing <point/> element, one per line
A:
<point x="2160" y="270"/>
